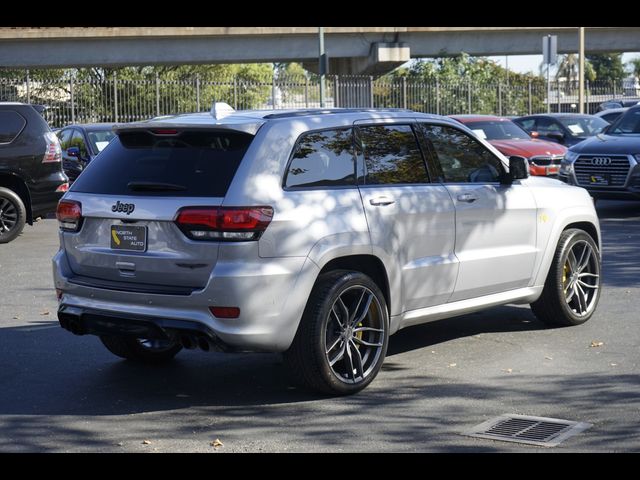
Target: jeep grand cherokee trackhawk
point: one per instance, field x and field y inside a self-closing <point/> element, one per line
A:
<point x="315" y="233"/>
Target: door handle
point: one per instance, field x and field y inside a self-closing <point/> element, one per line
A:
<point x="381" y="201"/>
<point x="467" y="197"/>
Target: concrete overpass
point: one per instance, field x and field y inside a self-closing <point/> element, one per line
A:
<point x="351" y="50"/>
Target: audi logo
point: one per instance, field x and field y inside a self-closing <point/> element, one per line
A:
<point x="601" y="161"/>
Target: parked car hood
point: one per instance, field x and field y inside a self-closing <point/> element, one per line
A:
<point x="610" y="144"/>
<point x="528" y="148"/>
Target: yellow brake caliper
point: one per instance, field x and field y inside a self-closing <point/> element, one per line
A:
<point x="359" y="334"/>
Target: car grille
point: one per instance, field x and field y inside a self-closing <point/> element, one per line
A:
<point x="546" y="160"/>
<point x="618" y="170"/>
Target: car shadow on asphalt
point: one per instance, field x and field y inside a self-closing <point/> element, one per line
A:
<point x="620" y="222"/>
<point x="499" y="319"/>
<point x="48" y="371"/>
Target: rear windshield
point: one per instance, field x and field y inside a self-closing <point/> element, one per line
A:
<point x="190" y="164"/>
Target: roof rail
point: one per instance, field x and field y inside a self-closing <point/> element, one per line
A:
<point x="329" y="111"/>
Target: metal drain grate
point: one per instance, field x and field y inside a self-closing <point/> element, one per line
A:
<point x="547" y="432"/>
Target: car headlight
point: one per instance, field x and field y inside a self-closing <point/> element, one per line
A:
<point x="570" y="157"/>
<point x="566" y="165"/>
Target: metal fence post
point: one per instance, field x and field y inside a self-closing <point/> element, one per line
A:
<point x="499" y="99"/>
<point x="558" y="83"/>
<point x="404" y="93"/>
<point x="586" y="92"/>
<point x="437" y="97"/>
<point x="198" y="92"/>
<point x="273" y="91"/>
<point x="469" y="94"/>
<point x="306" y="92"/>
<point x="371" y="99"/>
<point x="530" y="100"/>
<point x="157" y="94"/>
<point x="615" y="93"/>
<point x="28" y="87"/>
<point x="73" y="103"/>
<point x="235" y="93"/>
<point x="336" y="98"/>
<point x="115" y="96"/>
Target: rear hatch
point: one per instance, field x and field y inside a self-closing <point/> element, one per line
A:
<point x="130" y="196"/>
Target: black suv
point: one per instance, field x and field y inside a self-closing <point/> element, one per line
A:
<point x="31" y="176"/>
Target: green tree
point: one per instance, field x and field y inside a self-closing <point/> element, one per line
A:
<point x="607" y="66"/>
<point x="463" y="83"/>
<point x="635" y="66"/>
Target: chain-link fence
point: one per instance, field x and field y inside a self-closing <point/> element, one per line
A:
<point x="122" y="100"/>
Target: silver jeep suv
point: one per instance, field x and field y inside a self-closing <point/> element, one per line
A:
<point x="315" y="233"/>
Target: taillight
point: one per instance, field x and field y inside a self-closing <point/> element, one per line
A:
<point x="53" y="152"/>
<point x="69" y="215"/>
<point x="224" y="223"/>
<point x="63" y="187"/>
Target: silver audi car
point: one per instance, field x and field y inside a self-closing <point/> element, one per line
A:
<point x="315" y="233"/>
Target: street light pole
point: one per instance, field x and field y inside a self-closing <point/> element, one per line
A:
<point x="322" y="63"/>
<point x="581" y="79"/>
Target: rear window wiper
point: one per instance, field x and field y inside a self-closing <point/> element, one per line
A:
<point x="154" y="186"/>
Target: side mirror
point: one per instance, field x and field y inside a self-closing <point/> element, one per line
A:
<point x="518" y="169"/>
<point x="73" y="152"/>
<point x="556" y="136"/>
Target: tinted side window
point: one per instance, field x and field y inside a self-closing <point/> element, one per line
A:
<point x="65" y="138"/>
<point x="322" y="159"/>
<point x="392" y="155"/>
<point x="462" y="158"/>
<point x="11" y="124"/>
<point x="78" y="141"/>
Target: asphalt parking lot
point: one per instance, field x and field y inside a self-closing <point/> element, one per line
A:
<point x="63" y="393"/>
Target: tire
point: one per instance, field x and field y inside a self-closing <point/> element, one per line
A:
<point x="13" y="215"/>
<point x="136" y="350"/>
<point x="565" y="302"/>
<point x="338" y="296"/>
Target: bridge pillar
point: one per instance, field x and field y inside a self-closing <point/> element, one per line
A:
<point x="382" y="58"/>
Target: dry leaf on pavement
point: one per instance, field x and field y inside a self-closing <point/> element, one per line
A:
<point x="596" y="344"/>
<point x="146" y="442"/>
<point x="46" y="312"/>
<point x="217" y="443"/>
<point x="453" y="364"/>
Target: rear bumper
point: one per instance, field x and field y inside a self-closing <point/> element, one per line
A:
<point x="84" y="321"/>
<point x="271" y="294"/>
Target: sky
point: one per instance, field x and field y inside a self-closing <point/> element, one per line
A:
<point x="531" y="63"/>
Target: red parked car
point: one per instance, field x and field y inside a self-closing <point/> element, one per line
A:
<point x="544" y="157"/>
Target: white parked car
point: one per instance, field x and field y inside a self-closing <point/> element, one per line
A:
<point x="313" y="233"/>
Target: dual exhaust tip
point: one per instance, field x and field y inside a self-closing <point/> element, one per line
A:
<point x="191" y="342"/>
